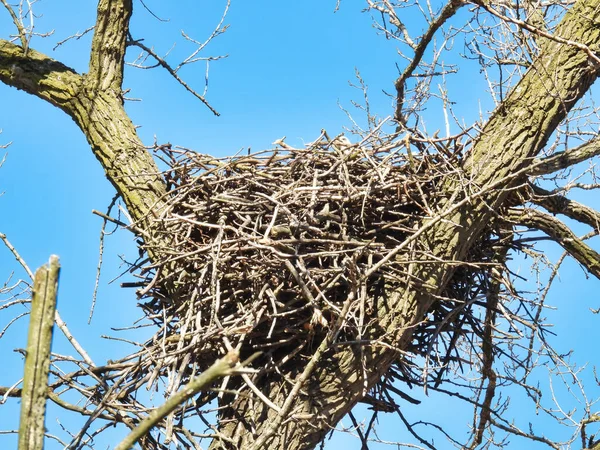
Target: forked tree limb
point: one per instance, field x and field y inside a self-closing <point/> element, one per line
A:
<point x="568" y="158"/>
<point x="449" y="10"/>
<point x="512" y="137"/>
<point x="515" y="133"/>
<point x="94" y="101"/>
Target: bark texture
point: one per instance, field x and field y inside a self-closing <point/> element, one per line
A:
<point x="512" y="137"/>
<point x="332" y="384"/>
<point x="95" y="103"/>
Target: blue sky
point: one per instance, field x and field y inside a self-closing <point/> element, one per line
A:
<point x="287" y="73"/>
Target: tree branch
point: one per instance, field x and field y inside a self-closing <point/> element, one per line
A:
<point x="560" y="233"/>
<point x="562" y="160"/>
<point x="173" y="72"/>
<point x="448" y="11"/>
<point x="37" y="360"/>
<point x="95" y="103"/>
<point x="559" y="204"/>
<point x="219" y="369"/>
<point x="107" y="59"/>
<point x="22" y="33"/>
<point x="37" y="74"/>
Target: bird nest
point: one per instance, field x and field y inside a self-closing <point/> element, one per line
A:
<point x="261" y="252"/>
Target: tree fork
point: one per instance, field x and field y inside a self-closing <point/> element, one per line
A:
<point x="95" y="102"/>
<point x="512" y="137"/>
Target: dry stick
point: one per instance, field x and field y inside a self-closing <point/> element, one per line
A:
<point x="161" y="62"/>
<point x="220" y="368"/>
<point x="18" y="24"/>
<point x="37" y="360"/>
<point x="76" y="345"/>
<point x="16" y="255"/>
<point x="59" y="322"/>
<point x="259" y="394"/>
<point x="100" y="257"/>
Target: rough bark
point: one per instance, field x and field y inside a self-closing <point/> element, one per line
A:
<point x="37" y="360"/>
<point x="95" y="103"/>
<point x="561" y="234"/>
<point x="562" y="160"/>
<point x="513" y="136"/>
<point x="558" y="204"/>
<point x="515" y="133"/>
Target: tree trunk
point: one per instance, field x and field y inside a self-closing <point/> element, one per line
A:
<point x="516" y="132"/>
<point x="332" y="386"/>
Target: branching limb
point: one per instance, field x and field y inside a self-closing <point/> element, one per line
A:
<point x="173" y="69"/>
<point x="20" y="28"/>
<point x="173" y="72"/>
<point x="59" y="322"/>
<point x="387" y="9"/>
<point x="560" y="233"/>
<point x="37" y="74"/>
<point x="540" y="32"/>
<point x="97" y="110"/>
<point x="448" y="11"/>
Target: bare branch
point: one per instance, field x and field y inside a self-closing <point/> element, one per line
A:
<point x="108" y="45"/>
<point x="161" y="62"/>
<point x="194" y="57"/>
<point x="448" y="11"/>
<point x="559" y="233"/>
<point x="22" y="33"/>
<point x="559" y="204"/>
<point x="75" y="36"/>
<point x="219" y="369"/>
<point x="568" y="158"/>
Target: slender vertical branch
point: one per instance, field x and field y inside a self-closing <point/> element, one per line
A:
<point x="37" y="361"/>
<point x="20" y="29"/>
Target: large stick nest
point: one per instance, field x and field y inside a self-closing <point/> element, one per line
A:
<point x="262" y="252"/>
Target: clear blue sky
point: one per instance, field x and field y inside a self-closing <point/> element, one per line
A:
<point x="288" y="70"/>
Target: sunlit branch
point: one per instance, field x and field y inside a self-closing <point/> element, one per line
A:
<point x="539" y="32"/>
<point x="108" y="45"/>
<point x="568" y="158"/>
<point x="559" y="204"/>
<point x="448" y="11"/>
<point x="37" y="74"/>
<point x="22" y="33"/>
<point x="161" y="62"/>
<point x="560" y="233"/>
